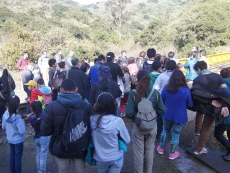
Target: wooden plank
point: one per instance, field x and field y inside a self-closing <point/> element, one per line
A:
<point x="213" y="159"/>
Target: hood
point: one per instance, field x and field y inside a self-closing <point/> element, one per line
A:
<point x="154" y="75"/>
<point x="227" y="81"/>
<point x="168" y="73"/>
<point x="12" y="118"/>
<point x="37" y="92"/>
<point x="108" y="123"/>
<point x="45" y="90"/>
<point x="69" y="99"/>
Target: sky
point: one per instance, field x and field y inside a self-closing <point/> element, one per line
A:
<point x="87" y="2"/>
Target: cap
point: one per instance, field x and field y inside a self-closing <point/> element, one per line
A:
<point x="31" y="83"/>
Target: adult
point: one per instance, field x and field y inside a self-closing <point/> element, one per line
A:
<point x="53" y="124"/>
<point x="171" y="55"/>
<point x="23" y="61"/>
<point x="143" y="142"/>
<point x="141" y="59"/>
<point x="147" y="66"/>
<point x="115" y="69"/>
<point x="43" y="64"/>
<point x="123" y="60"/>
<point x="203" y="57"/>
<point x="79" y="77"/>
<point x="104" y="85"/>
<point x="94" y="69"/>
<point x="26" y="76"/>
<point x="68" y="62"/>
<point x="58" y="55"/>
<point x="52" y="70"/>
<point x="107" y="130"/>
<point x="209" y="82"/>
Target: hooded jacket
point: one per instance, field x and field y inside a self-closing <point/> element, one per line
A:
<point x="147" y="66"/>
<point x="46" y="94"/>
<point x="34" y="95"/>
<point x="162" y="80"/>
<point x="153" y="77"/>
<point x="14" y="126"/>
<point x="105" y="138"/>
<point x="191" y="74"/>
<point x="54" y="119"/>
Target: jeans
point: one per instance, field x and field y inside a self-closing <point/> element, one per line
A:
<point x="42" y="145"/>
<point x="198" y="122"/>
<point x="218" y="133"/>
<point x="159" y="126"/>
<point x="64" y="165"/>
<point x="16" y="151"/>
<point x="205" y="131"/>
<point x="176" y="129"/>
<point x="110" y="167"/>
<point x="143" y="143"/>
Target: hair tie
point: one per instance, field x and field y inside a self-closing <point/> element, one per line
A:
<point x="13" y="96"/>
<point x="102" y="94"/>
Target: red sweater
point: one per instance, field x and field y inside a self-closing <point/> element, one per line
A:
<point x="22" y="63"/>
<point x="34" y="95"/>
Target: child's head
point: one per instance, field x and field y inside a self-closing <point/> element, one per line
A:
<point x="13" y="104"/>
<point x="40" y="82"/>
<point x="36" y="107"/>
<point x="85" y="67"/>
<point x="31" y="85"/>
<point x="61" y="64"/>
<point x="52" y="63"/>
<point x="125" y="69"/>
<point x="225" y="73"/>
<point x="156" y="66"/>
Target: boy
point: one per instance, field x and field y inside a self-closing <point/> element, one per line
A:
<point x="52" y="64"/>
<point x="59" y="76"/>
<point x="46" y="91"/>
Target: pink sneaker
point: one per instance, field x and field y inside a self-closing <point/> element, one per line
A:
<point x="160" y="150"/>
<point x="174" y="155"/>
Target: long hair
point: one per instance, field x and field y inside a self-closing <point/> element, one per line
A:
<point x="36" y="107"/>
<point x="143" y="80"/>
<point x="176" y="81"/>
<point x="105" y="105"/>
<point x="13" y="105"/>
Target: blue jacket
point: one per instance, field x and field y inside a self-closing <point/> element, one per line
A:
<point x="176" y="104"/>
<point x="191" y="74"/>
<point x="93" y="72"/>
<point x="14" y="126"/>
<point x="227" y="119"/>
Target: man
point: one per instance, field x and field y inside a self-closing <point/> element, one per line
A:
<point x="122" y="60"/>
<point x="23" y="62"/>
<point x="115" y="69"/>
<point x="26" y="76"/>
<point x="58" y="55"/>
<point x="210" y="82"/>
<point x="147" y="66"/>
<point x="94" y="69"/>
<point x="43" y="64"/>
<point x="68" y="63"/>
<point x="171" y="57"/>
<point x="79" y="77"/>
<point x="203" y="57"/>
<point x="53" y="124"/>
<point x="52" y="69"/>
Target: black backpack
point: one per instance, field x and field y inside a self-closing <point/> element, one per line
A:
<point x="76" y="133"/>
<point x="103" y="88"/>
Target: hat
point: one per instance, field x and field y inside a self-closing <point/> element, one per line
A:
<point x="110" y="55"/>
<point x="31" y="83"/>
<point x="104" y="72"/>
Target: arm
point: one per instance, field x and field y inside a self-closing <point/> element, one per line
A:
<point x="131" y="108"/>
<point x="47" y="127"/>
<point x="186" y="65"/>
<point x="123" y="131"/>
<point x="157" y="84"/>
<point x="189" y="101"/>
<point x="85" y="81"/>
<point x="69" y="61"/>
<point x="40" y="62"/>
<point x="19" y="64"/>
<point x="20" y="126"/>
<point x="92" y="95"/>
<point x="51" y="75"/>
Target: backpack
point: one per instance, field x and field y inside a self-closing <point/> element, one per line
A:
<point x="76" y="132"/>
<point x="58" y="78"/>
<point x="146" y="116"/>
<point x="133" y="77"/>
<point x="102" y="88"/>
<point x="41" y="99"/>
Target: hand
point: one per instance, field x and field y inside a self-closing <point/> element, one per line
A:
<point x="216" y="103"/>
<point x="224" y="111"/>
<point x="52" y="88"/>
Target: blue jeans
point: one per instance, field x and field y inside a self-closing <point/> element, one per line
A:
<point x="110" y="167"/>
<point x="42" y="145"/>
<point x="16" y="151"/>
<point x="176" y="129"/>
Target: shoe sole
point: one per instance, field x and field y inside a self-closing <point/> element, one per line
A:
<point x="160" y="152"/>
<point x="172" y="158"/>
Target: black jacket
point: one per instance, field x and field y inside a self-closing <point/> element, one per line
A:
<point x="81" y="80"/>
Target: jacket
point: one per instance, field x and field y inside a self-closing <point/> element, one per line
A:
<point x="46" y="94"/>
<point x="153" y="77"/>
<point x="147" y="66"/>
<point x="191" y="74"/>
<point x="227" y="119"/>
<point x="22" y="63"/>
<point x="162" y="80"/>
<point x="132" y="106"/>
<point x="15" y="128"/>
<point x="54" y="120"/>
<point x="81" y="80"/>
<point x="93" y="72"/>
<point x="34" y="95"/>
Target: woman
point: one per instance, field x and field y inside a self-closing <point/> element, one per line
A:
<point x="143" y="141"/>
<point x="177" y="97"/>
<point x="106" y="130"/>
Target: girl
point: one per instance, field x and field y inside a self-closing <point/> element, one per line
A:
<point x="41" y="142"/>
<point x="106" y="129"/>
<point x="143" y="141"/>
<point x="176" y="96"/>
<point x="124" y="99"/>
<point x="15" y="129"/>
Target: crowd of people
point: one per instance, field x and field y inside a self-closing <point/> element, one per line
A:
<point x="77" y="110"/>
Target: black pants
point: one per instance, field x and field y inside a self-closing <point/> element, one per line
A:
<point x="54" y="94"/>
<point x="219" y="131"/>
<point x="159" y="126"/>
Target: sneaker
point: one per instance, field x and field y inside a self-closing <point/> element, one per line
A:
<point x="174" y="155"/>
<point x="160" y="150"/>
<point x="197" y="133"/>
<point x="227" y="157"/>
<point x="203" y="151"/>
<point x="225" y="154"/>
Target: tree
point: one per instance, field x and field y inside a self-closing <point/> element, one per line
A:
<point x="119" y="13"/>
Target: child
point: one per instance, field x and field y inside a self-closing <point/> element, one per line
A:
<point x="59" y="76"/>
<point x="41" y="142"/>
<point x="106" y="129"/>
<point x="124" y="100"/>
<point x="15" y="129"/>
<point x="176" y="96"/>
<point x="46" y="91"/>
<point x="52" y="69"/>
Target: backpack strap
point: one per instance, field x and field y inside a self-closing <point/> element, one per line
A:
<point x="151" y="93"/>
